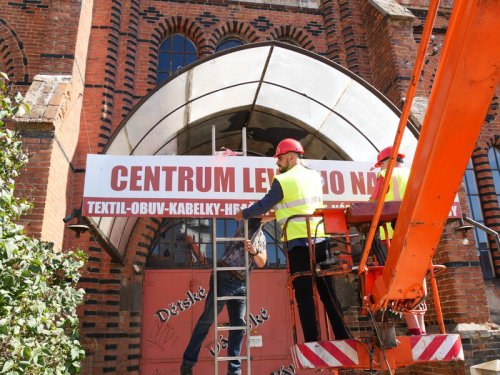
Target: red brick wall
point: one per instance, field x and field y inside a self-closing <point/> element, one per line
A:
<point x="111" y="314"/>
<point x="461" y="282"/>
<point x="40" y="36"/>
<point x="34" y="180"/>
<point x="50" y="38"/>
<point x="24" y="53"/>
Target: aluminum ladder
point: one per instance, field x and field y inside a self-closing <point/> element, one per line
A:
<point x="216" y="268"/>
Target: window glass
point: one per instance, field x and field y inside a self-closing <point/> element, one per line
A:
<point x="481" y="239"/>
<point x="175" y="53"/>
<point x="493" y="155"/>
<point x="228" y="43"/>
<point x="176" y="62"/>
<point x="178" y="43"/>
<point x="494" y="158"/>
<point x="470" y="182"/>
<point x="187" y="243"/>
<point x="164" y="64"/>
<point x="474" y="202"/>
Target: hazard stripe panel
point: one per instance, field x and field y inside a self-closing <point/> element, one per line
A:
<point x="354" y="354"/>
<point x="436" y="348"/>
<point x="325" y="354"/>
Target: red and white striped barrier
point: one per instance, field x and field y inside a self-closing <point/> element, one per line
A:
<point x="325" y="354"/>
<point x="353" y="354"/>
<point x="436" y="348"/>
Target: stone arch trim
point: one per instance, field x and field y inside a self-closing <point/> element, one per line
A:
<point x="240" y="29"/>
<point x="13" y="54"/>
<point x="494" y="141"/>
<point x="168" y="26"/>
<point x="487" y="192"/>
<point x="293" y="33"/>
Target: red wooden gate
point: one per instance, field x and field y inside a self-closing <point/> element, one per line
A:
<point x="174" y="299"/>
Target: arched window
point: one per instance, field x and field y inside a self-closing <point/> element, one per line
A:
<point x="187" y="243"/>
<point x="175" y="53"/>
<point x="475" y="204"/>
<point x="228" y="43"/>
<point x="473" y="199"/>
<point x="494" y="157"/>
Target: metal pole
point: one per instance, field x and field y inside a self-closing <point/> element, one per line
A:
<point x="484" y="228"/>
<point x="247" y="269"/>
<point x="213" y="140"/>
<point x="214" y="275"/>
<point x="244" y="140"/>
<point x="437" y="301"/>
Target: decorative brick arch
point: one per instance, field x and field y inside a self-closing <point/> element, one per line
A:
<point x="494" y="141"/>
<point x="486" y="187"/>
<point x="141" y="241"/>
<point x="12" y="53"/>
<point x="292" y="33"/>
<point x="492" y="115"/>
<point x="240" y="29"/>
<point x="166" y="27"/>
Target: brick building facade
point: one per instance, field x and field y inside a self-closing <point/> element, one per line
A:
<point x="85" y="65"/>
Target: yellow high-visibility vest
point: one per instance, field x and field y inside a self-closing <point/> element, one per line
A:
<point x="302" y="194"/>
<point x="397" y="187"/>
<point x="396" y="192"/>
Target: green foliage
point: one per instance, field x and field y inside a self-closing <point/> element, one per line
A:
<point x="38" y="299"/>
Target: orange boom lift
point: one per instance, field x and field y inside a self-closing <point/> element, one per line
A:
<point x="466" y="79"/>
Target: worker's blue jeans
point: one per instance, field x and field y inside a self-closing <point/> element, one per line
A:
<point x="227" y="285"/>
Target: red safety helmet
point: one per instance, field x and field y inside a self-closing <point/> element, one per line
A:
<point x="288" y="145"/>
<point x="385" y="154"/>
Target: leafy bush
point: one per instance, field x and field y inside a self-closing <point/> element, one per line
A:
<point x="38" y="299"/>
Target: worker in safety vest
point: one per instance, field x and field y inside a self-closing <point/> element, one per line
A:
<point x="297" y="190"/>
<point x="397" y="187"/>
<point x="400" y="174"/>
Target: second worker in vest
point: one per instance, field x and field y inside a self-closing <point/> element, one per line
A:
<point x="414" y="318"/>
<point x="297" y="190"/>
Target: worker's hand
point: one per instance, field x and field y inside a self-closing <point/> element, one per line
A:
<point x="268" y="218"/>
<point x="239" y="215"/>
<point x="249" y="247"/>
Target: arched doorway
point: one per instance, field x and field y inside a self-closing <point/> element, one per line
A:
<point x="274" y="90"/>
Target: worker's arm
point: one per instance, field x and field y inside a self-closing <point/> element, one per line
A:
<point x="258" y="252"/>
<point x="271" y="199"/>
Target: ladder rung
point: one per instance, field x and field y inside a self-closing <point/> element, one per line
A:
<point x="232" y="358"/>
<point x="229" y="239"/>
<point x="230" y="298"/>
<point x="231" y="328"/>
<point x="231" y="268"/>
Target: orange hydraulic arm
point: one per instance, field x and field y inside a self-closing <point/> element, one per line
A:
<point x="467" y="77"/>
